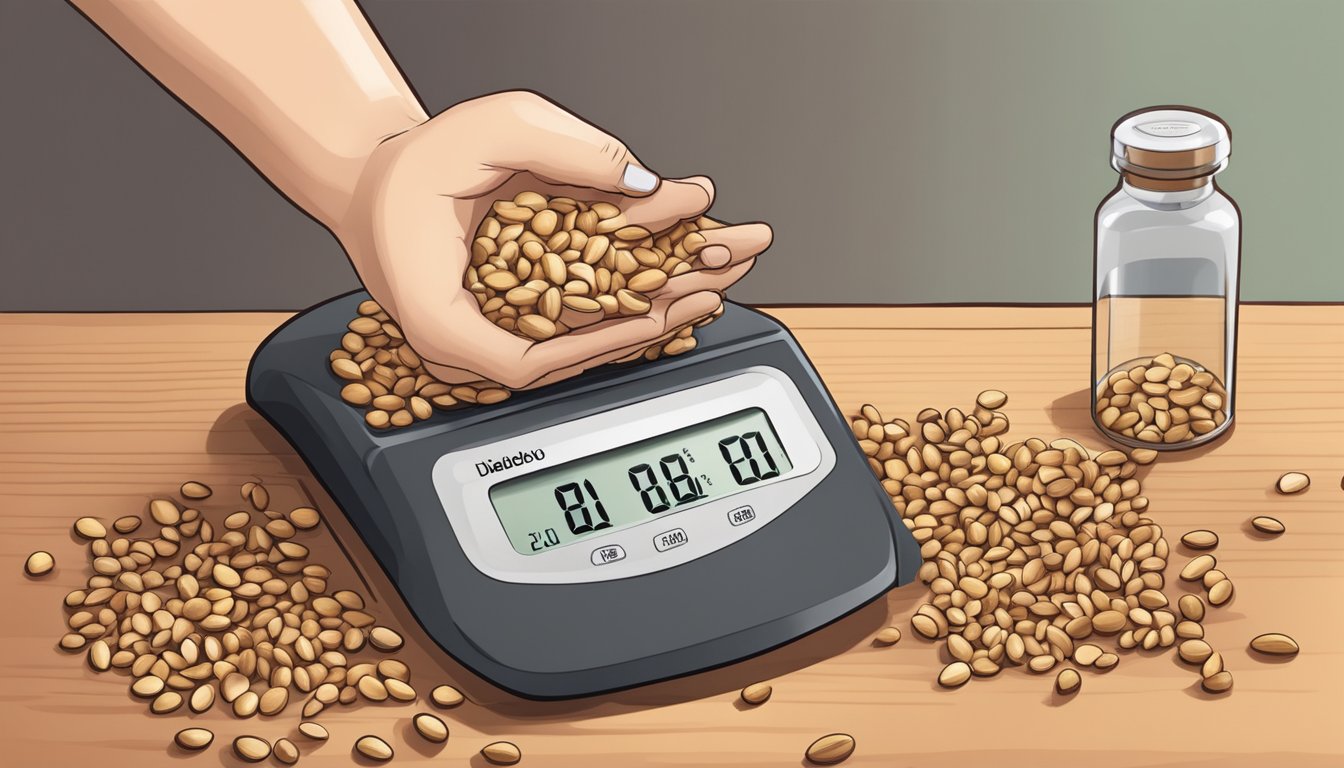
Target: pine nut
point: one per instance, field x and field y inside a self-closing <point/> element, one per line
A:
<point x="430" y="727"/>
<point x="757" y="693"/>
<point x="194" y="738"/>
<point x="39" y="564"/>
<point x="831" y="749"/>
<point x="1275" y="644"/>
<point x="1269" y="525"/>
<point x="446" y="696"/>
<point x="1200" y="539"/>
<point x="1068" y="681"/>
<point x="1293" y="482"/>
<point x="501" y="753"/>
<point x="888" y="636"/>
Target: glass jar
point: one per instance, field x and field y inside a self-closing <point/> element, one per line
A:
<point x="1164" y="312"/>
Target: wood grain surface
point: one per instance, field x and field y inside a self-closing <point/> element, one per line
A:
<point x="100" y="413"/>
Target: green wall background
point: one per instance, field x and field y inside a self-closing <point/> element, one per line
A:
<point x="906" y="151"/>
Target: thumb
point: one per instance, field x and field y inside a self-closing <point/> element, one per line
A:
<point x="523" y="131"/>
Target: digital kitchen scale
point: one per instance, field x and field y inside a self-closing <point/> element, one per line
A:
<point x="636" y="523"/>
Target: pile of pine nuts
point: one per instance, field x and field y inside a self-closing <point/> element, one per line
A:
<point x="1033" y="550"/>
<point x="540" y="267"/>
<point x="231" y="613"/>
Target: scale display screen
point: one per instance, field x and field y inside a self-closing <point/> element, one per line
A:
<point x="636" y="483"/>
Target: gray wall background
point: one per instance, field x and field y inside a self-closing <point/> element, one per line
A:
<point x="906" y="151"/>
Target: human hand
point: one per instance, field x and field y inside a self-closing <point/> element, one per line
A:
<point x="415" y="209"/>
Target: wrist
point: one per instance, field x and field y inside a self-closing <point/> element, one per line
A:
<point x="377" y="190"/>
<point x="343" y="156"/>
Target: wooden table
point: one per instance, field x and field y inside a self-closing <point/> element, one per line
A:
<point x="101" y="412"/>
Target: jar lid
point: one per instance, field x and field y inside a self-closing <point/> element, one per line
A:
<point x="1160" y="143"/>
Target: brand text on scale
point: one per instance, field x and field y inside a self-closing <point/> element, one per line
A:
<point x="518" y="459"/>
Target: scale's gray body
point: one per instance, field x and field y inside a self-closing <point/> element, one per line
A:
<point x="835" y="551"/>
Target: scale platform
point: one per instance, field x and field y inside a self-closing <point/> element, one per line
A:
<point x="554" y="602"/>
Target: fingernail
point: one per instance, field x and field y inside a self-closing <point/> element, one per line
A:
<point x="637" y="179"/>
<point x="716" y="256"/>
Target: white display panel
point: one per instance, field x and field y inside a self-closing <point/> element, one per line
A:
<point x="595" y="496"/>
<point x="464" y="481"/>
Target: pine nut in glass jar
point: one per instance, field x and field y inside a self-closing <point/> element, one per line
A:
<point x="1168" y="257"/>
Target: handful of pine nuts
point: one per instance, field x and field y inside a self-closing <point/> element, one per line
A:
<point x="540" y="267"/>
<point x="543" y="266"/>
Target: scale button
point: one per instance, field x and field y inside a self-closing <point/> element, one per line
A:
<point x="608" y="554"/>
<point x="741" y="515"/>
<point x="670" y="540"/>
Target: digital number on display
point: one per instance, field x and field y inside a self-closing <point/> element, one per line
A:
<point x="628" y="485"/>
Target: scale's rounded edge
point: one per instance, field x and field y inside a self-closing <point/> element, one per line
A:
<point x="536" y="686"/>
<point x="250" y="377"/>
<point x="261" y="396"/>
